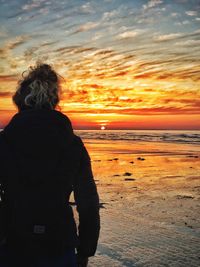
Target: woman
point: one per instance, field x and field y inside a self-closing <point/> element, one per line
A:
<point x="42" y="162"/>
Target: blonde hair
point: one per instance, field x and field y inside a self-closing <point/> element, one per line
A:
<point x="38" y="88"/>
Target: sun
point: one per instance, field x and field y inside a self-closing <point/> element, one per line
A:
<point x="103" y="127"/>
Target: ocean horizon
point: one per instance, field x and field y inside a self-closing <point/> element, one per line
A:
<point x="164" y="136"/>
<point x="171" y="136"/>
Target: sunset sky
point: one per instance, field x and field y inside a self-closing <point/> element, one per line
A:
<point x="126" y="64"/>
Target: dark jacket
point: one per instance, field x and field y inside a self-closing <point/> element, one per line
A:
<point x="42" y="148"/>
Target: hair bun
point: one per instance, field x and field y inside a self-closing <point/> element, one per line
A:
<point x="44" y="72"/>
<point x="39" y="88"/>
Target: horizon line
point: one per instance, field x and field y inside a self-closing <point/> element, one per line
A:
<point x="142" y="129"/>
<point x="128" y="129"/>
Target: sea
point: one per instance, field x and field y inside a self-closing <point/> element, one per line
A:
<point x="166" y="136"/>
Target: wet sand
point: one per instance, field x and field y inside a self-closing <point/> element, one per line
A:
<point x="150" y="203"/>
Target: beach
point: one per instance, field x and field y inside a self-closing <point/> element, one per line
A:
<point x="149" y="188"/>
<point x="149" y="198"/>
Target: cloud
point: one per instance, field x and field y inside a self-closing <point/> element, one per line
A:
<point x="32" y="5"/>
<point x="16" y="14"/>
<point x="73" y="50"/>
<point x="17" y="41"/>
<point x="145" y="75"/>
<point x="111" y="14"/>
<point x="191" y="13"/>
<point x="6" y="51"/>
<point x="87" y="8"/>
<point x="192" y="103"/>
<point x="6" y="94"/>
<point x="87" y="27"/>
<point x="128" y="34"/>
<point x="184" y="22"/>
<point x="167" y="73"/>
<point x="116" y="110"/>
<point x="66" y="49"/>
<point x="115" y="66"/>
<point x="5" y="78"/>
<point x="174" y="14"/>
<point x="3" y="32"/>
<point x="188" y="43"/>
<point x="167" y="37"/>
<point x="152" y="3"/>
<point x="181" y="1"/>
<point x="97" y="36"/>
<point x="104" y="52"/>
<point x="45" y="43"/>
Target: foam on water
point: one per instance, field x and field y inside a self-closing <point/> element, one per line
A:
<point x="189" y="137"/>
<point x="185" y="137"/>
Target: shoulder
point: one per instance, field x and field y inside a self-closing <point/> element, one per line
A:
<point x="78" y="142"/>
<point x="84" y="155"/>
<point x="62" y="120"/>
<point x="61" y="115"/>
<point x="10" y="123"/>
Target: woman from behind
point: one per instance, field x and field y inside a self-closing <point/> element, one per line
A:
<point x="42" y="162"/>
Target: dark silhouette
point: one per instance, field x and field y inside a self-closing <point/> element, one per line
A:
<point x="41" y="162"/>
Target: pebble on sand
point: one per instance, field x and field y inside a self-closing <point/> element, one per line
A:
<point x="127" y="174"/>
<point x="140" y="158"/>
<point x="184" y="197"/>
<point x="131" y="162"/>
<point x="112" y="159"/>
<point x="129" y="179"/>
